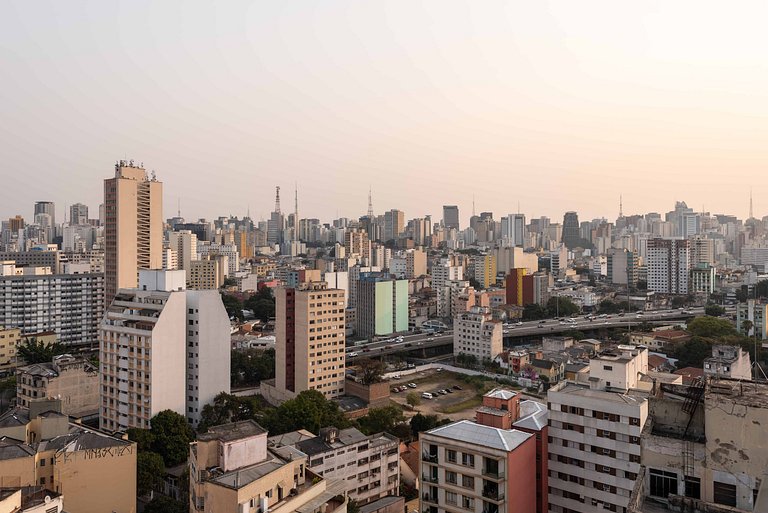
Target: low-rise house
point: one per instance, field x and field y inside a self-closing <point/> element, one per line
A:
<point x="73" y="380"/>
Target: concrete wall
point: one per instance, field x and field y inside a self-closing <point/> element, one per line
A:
<point x="168" y="358"/>
<point x="376" y="395"/>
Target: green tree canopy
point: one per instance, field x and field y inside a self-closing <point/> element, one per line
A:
<point x="714" y="310"/>
<point x="143" y="438"/>
<point x="262" y="304"/>
<point x="233" y="306"/>
<point x="150" y="472"/>
<point x="309" y="410"/>
<point x="229" y="408"/>
<point x="562" y="305"/>
<point x="251" y="366"/>
<point x="172" y="436"/>
<point x="711" y="327"/>
<point x="421" y="423"/>
<point x="534" y="312"/>
<point x="413" y="399"/>
<point x="693" y="352"/>
<point x="33" y="350"/>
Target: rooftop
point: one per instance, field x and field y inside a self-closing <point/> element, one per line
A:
<point x="630" y="398"/>
<point x="232" y="431"/>
<point x="470" y="432"/>
<point x="501" y="393"/>
<point x="533" y="416"/>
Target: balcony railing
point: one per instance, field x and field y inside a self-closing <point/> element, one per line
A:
<point x="431" y="458"/>
<point x="427" y="497"/>
<point x="429" y="478"/>
<point x="494" y="473"/>
<point x="494" y="495"/>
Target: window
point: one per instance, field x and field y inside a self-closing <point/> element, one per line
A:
<point x="663" y="483"/>
<point x="692" y="487"/>
<point x="467" y="502"/>
<point x="467" y="481"/>
<point x="608" y="367"/>
<point x="450" y="455"/>
<point x="450" y="498"/>
<point x="725" y="493"/>
<point x="450" y="477"/>
<point x="467" y="459"/>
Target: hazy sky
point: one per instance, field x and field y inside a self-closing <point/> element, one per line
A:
<point x="557" y="105"/>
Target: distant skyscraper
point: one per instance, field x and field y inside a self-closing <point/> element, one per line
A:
<point x="46" y="207"/>
<point x="394" y="224"/>
<point x="78" y="214"/>
<point x="668" y="265"/>
<point x="513" y="231"/>
<point x="451" y="216"/>
<point x="133" y="233"/>
<point x="276" y="223"/>
<point x="571" y="235"/>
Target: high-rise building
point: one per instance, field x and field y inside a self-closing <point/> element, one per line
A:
<point x="571" y="232"/>
<point x="162" y="348"/>
<point x="48" y="208"/>
<point x="703" y="251"/>
<point x="668" y="265"/>
<point x="39" y="299"/>
<point x="78" y="214"/>
<point x="394" y="224"/>
<point x="514" y="286"/>
<point x="356" y="243"/>
<point x="451" y="216"/>
<point x="442" y="273"/>
<point x="133" y="232"/>
<point x="513" y="230"/>
<point x="309" y="351"/>
<point x="483" y="269"/>
<point x="622" y="267"/>
<point x="276" y="223"/>
<point x="184" y="243"/>
<point x="382" y="305"/>
<point x="594" y="434"/>
<point x="476" y="333"/>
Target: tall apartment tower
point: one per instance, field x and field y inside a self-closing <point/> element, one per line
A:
<point x="78" y="214"/>
<point x="394" y="224"/>
<point x="309" y="354"/>
<point x="356" y="243"/>
<point x="162" y="347"/>
<point x="133" y="234"/>
<point x="46" y="207"/>
<point x="571" y="230"/>
<point x="451" y="216"/>
<point x="594" y="434"/>
<point x="184" y="243"/>
<point x="668" y="265"/>
<point x="476" y="333"/>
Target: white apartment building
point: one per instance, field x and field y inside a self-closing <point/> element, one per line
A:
<point x="36" y="299"/>
<point x="594" y="430"/>
<point x="229" y="250"/>
<point x="476" y="333"/>
<point x="442" y="273"/>
<point x="668" y="265"/>
<point x="184" y="243"/>
<point x="369" y="465"/>
<point x="162" y="347"/>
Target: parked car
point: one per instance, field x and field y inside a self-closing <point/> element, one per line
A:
<point x="426" y="395"/>
<point x="456" y="387"/>
<point x="412" y="385"/>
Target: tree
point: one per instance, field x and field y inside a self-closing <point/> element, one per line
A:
<point x="172" y="436"/>
<point x="262" y="304"/>
<point x="353" y="506"/>
<point x="413" y="399"/>
<point x="227" y="408"/>
<point x="421" y="423"/>
<point x="608" y="307"/>
<point x="37" y="351"/>
<point x="150" y="472"/>
<point x="164" y="504"/>
<point x="692" y="353"/>
<point x="143" y="438"/>
<point x="746" y="326"/>
<point x="309" y="410"/>
<point x="534" y="312"/>
<point x="250" y="366"/>
<point x="679" y="301"/>
<point x="233" y="306"/>
<point x="229" y="282"/>
<point x="714" y="310"/>
<point x="561" y="305"/>
<point x="475" y="284"/>
<point x="371" y="370"/>
<point x="642" y="285"/>
<point x="381" y="420"/>
<point x="466" y="360"/>
<point x="711" y="327"/>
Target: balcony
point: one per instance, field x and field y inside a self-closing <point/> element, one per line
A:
<point x="427" y="478"/>
<point x="495" y="473"/>
<point x="428" y="497"/>
<point x="493" y="494"/>
<point x="430" y="458"/>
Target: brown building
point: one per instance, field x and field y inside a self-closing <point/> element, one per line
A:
<point x="93" y="471"/>
<point x="309" y="350"/>
<point x="72" y="380"/>
<point x="133" y="226"/>
<point x="9" y="341"/>
<point x="231" y="469"/>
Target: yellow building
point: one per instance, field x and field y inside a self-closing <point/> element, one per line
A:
<point x="205" y="274"/>
<point x="9" y="341"/>
<point x="231" y="469"/>
<point x="94" y="471"/>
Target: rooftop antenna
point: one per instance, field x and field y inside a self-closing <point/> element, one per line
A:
<point x="179" y="211"/>
<point x="473" y="205"/>
<point x="296" y="204"/>
<point x="370" y="204"/>
<point x="277" y="199"/>
<point x="750" y="204"/>
<point x="621" y="206"/>
<point x="518" y="206"/>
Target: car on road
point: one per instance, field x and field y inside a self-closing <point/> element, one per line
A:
<point x="352" y="354"/>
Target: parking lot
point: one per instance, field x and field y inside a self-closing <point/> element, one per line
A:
<point x="457" y="404"/>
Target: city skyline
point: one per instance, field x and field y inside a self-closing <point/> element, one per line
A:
<point x="551" y="106"/>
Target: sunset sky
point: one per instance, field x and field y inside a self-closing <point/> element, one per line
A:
<point x="555" y="105"/>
